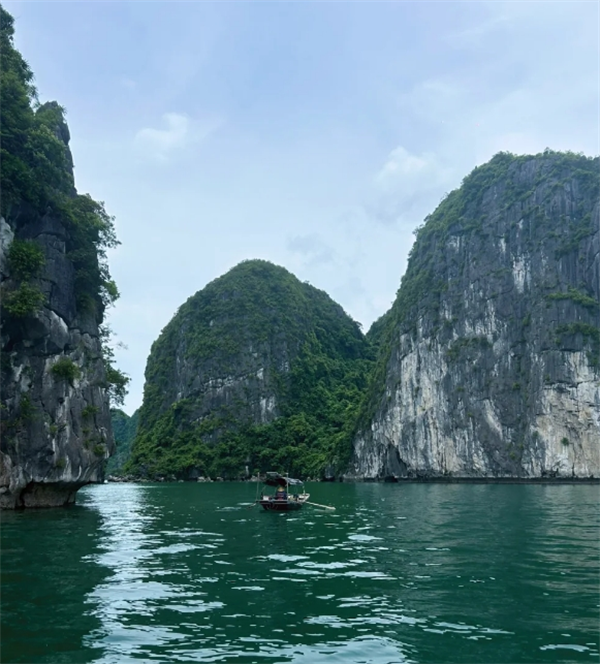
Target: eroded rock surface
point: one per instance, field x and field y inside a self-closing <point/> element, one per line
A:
<point x="56" y="428"/>
<point x="489" y="358"/>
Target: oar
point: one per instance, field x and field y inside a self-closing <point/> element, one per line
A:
<point x="327" y="507"/>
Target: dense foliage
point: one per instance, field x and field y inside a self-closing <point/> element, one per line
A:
<point x="255" y="308"/>
<point x="36" y="178"/>
<point x="35" y="166"/>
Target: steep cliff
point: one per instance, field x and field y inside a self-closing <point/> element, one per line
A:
<point x="55" y="420"/>
<point x="256" y="371"/>
<point x="489" y="358"/>
<point x="124" y="429"/>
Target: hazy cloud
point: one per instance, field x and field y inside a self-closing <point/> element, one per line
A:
<point x="312" y="248"/>
<point x="474" y="36"/>
<point x="160" y="142"/>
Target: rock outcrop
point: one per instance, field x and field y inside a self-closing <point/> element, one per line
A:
<point x="55" y="422"/>
<point x="56" y="427"/>
<point x="489" y="360"/>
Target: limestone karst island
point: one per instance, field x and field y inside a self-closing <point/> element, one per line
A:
<point x="486" y="366"/>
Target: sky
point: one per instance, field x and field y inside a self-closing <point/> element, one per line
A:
<point x="316" y="135"/>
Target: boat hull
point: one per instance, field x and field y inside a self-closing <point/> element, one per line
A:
<point x="286" y="505"/>
<point x="280" y="506"/>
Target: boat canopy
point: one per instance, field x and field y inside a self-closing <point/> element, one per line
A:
<point x="275" y="479"/>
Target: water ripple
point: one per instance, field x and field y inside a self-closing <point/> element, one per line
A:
<point x="175" y="574"/>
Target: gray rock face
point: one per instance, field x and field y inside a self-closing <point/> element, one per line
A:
<point x="56" y="432"/>
<point x="247" y="387"/>
<point x="493" y="370"/>
<point x="244" y="389"/>
<point x="228" y="351"/>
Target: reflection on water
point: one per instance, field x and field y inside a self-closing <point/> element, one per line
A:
<point x="416" y="573"/>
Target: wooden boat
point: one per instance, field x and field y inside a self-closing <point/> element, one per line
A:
<point x="289" y="495"/>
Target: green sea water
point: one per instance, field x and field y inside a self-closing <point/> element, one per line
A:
<point x="397" y="573"/>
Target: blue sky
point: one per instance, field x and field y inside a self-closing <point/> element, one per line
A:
<point x="316" y="135"/>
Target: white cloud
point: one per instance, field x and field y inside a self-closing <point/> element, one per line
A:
<point x="180" y="132"/>
<point x="401" y="164"/>
<point x="406" y="185"/>
<point x="160" y="142"/>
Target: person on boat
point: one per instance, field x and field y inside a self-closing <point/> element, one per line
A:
<point x="281" y="493"/>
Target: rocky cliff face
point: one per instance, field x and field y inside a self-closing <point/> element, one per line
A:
<point x="55" y="285"/>
<point x="255" y="350"/>
<point x="489" y="361"/>
<point x="56" y="427"/>
<point x="226" y="348"/>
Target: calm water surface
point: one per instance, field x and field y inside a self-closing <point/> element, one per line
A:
<point x="414" y="573"/>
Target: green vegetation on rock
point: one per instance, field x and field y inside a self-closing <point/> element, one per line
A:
<point x="124" y="430"/>
<point x="22" y="301"/>
<point x="66" y="369"/>
<point x="257" y="370"/>
<point x="25" y="259"/>
<point x="34" y="166"/>
<point x="576" y="296"/>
